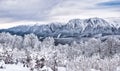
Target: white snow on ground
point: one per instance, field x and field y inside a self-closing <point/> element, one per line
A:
<point x="61" y="69"/>
<point x="94" y="70"/>
<point x="19" y="67"/>
<point x="13" y="67"/>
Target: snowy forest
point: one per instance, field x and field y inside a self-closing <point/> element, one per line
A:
<point x="94" y="54"/>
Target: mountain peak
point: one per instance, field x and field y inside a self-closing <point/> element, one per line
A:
<point x="96" y="22"/>
<point x="83" y="23"/>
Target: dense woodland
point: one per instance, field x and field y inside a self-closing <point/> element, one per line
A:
<point x="91" y="54"/>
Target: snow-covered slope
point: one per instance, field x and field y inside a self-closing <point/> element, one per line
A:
<point x="74" y="28"/>
<point x="114" y="21"/>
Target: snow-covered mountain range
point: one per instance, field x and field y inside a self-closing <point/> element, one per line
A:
<point x="74" y="28"/>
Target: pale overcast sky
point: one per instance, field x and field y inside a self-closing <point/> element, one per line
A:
<point x="24" y="12"/>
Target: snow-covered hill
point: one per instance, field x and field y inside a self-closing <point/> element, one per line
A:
<point x="74" y="28"/>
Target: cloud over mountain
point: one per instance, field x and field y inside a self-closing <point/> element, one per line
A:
<point x="12" y="11"/>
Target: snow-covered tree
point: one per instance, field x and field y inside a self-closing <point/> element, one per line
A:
<point x="30" y="41"/>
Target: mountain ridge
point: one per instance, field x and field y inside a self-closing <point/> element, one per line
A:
<point x="74" y="28"/>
